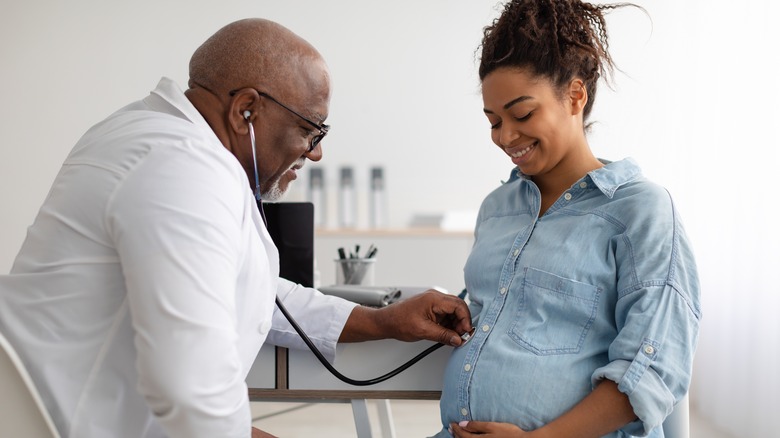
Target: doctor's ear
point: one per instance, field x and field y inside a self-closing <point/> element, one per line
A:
<point x="241" y="110"/>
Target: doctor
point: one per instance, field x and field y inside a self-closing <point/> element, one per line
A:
<point x="146" y="284"/>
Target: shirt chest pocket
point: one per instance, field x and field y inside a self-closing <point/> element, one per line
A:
<point x="555" y="313"/>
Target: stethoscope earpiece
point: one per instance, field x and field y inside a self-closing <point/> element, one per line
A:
<point x="248" y="113"/>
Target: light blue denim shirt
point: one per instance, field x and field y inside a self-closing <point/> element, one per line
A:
<point x="602" y="286"/>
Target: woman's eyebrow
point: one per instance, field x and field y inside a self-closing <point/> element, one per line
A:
<point x="510" y="103"/>
<point x="518" y="100"/>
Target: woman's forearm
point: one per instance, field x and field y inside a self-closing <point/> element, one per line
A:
<point x="604" y="410"/>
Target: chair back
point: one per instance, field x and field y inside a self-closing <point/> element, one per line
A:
<point x="22" y="413"/>
<point x="677" y="424"/>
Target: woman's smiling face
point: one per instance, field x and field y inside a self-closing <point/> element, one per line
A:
<point x="531" y="121"/>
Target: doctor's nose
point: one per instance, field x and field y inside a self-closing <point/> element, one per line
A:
<point x="314" y="154"/>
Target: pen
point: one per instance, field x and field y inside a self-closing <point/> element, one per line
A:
<point x="371" y="253"/>
<point x="345" y="269"/>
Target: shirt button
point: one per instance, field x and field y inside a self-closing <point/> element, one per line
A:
<point x="467" y="367"/>
<point x="464" y="411"/>
<point x="567" y="196"/>
<point x="649" y="349"/>
<point x="503" y="290"/>
<point x="583" y="185"/>
<point x="485" y="328"/>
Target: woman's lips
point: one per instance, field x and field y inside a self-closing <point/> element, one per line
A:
<point x="522" y="155"/>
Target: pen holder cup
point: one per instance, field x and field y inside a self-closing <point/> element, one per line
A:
<point x="355" y="271"/>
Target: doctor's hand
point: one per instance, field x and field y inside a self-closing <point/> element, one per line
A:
<point x="431" y="315"/>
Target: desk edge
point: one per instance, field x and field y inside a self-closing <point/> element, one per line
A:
<point x="259" y="394"/>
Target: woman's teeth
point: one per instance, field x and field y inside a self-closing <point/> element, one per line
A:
<point x="523" y="152"/>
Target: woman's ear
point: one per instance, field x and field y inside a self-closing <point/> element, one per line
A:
<point x="578" y="96"/>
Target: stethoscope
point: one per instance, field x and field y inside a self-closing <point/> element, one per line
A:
<point x="299" y="330"/>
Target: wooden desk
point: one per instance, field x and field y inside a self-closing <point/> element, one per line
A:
<point x="280" y="374"/>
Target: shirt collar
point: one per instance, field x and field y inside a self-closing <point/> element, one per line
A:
<point x="177" y="104"/>
<point x="608" y="178"/>
<point x="615" y="174"/>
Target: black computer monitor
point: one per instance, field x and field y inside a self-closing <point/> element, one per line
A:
<point x="291" y="226"/>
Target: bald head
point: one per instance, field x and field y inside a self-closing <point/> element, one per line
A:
<point x="238" y="80"/>
<point x="256" y="53"/>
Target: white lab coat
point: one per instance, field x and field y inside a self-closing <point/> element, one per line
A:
<point x="145" y="286"/>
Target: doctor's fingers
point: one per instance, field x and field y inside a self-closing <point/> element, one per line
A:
<point x="442" y="318"/>
<point x="450" y="311"/>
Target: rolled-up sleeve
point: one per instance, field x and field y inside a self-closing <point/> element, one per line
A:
<point x="657" y="315"/>
<point x="322" y="318"/>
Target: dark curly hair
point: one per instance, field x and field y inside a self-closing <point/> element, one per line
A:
<point x="555" y="39"/>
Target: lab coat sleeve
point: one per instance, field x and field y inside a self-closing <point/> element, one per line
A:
<point x="322" y="318"/>
<point x="176" y="223"/>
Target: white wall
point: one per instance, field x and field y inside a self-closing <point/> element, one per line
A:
<point x="697" y="105"/>
<point x="405" y="94"/>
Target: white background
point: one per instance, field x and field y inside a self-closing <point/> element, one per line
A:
<point x="696" y="104"/>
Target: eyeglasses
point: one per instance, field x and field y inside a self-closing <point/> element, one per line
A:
<point x="323" y="128"/>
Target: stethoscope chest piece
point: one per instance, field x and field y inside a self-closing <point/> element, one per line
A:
<point x="467" y="336"/>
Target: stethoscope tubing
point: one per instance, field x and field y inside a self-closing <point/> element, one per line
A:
<point x="335" y="372"/>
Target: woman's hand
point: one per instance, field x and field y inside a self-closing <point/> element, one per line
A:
<point x="486" y="429"/>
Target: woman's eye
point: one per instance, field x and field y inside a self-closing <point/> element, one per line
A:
<point x="496" y="125"/>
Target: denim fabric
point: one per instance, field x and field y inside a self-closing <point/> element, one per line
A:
<point x="602" y="286"/>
